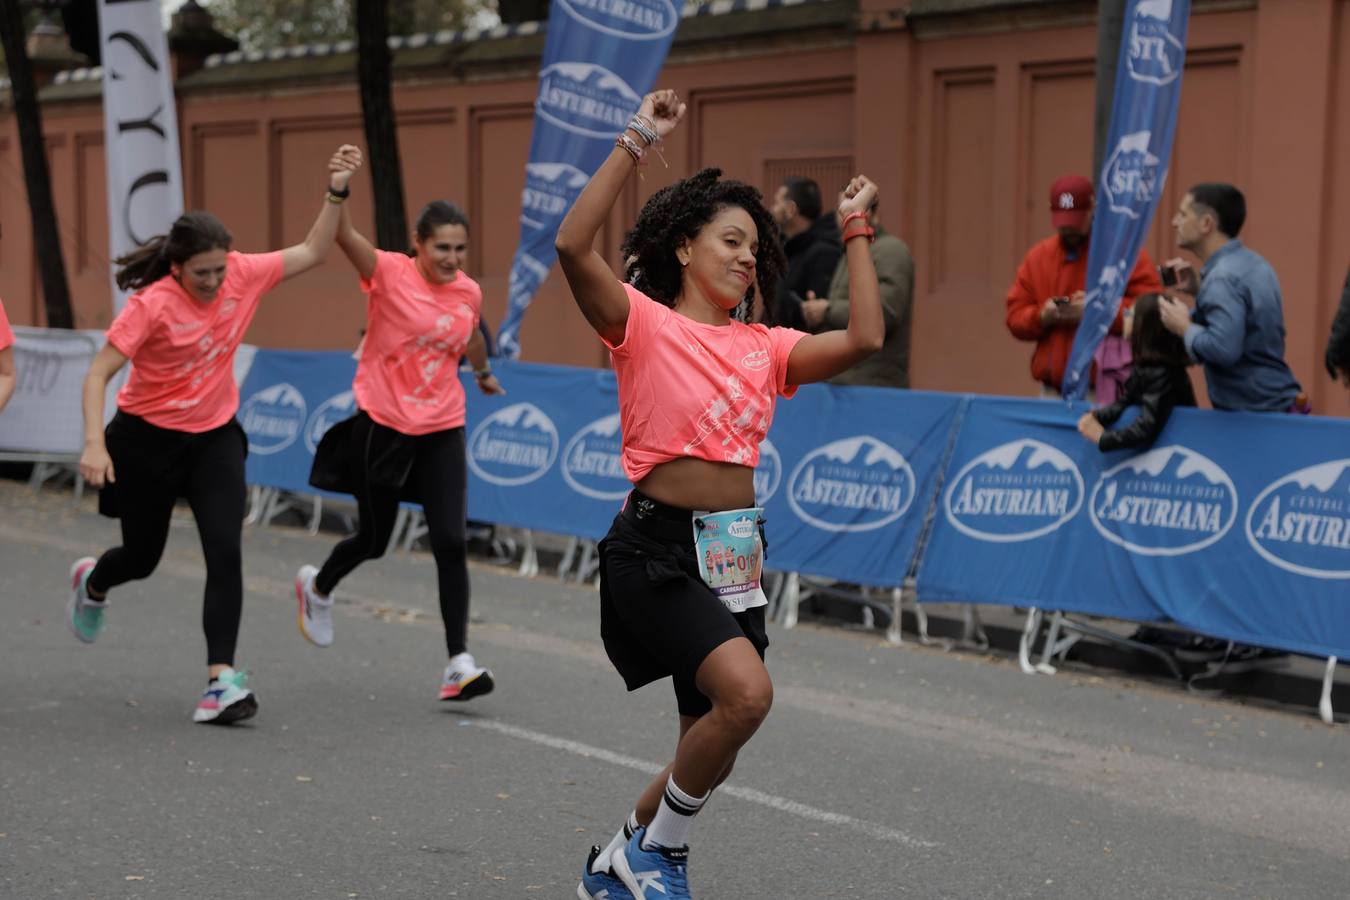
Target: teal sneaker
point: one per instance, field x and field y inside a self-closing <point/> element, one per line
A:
<point x="84" y="615"/>
<point x="226" y="700"/>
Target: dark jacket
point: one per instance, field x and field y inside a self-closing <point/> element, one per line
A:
<point x="1338" y="345"/>
<point x="1156" y="390"/>
<point x="811" y="256"/>
<point x="889" y="366"/>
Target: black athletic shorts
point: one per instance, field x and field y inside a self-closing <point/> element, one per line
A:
<point x="658" y="617"/>
<point x="147" y="455"/>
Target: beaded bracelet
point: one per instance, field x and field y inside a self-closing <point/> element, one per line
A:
<point x="644" y="128"/>
<point x="630" y="145"/>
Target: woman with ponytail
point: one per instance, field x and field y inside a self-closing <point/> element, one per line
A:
<point x="174" y="434"/>
<point x="406" y="443"/>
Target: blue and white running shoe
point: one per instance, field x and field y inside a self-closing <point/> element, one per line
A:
<point x="659" y="872"/>
<point x="600" y="885"/>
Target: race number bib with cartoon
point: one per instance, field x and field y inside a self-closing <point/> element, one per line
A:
<point x="730" y="556"/>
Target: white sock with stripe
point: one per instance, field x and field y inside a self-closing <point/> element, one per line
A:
<point x="674" y="817"/>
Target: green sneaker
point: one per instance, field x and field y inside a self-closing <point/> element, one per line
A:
<point x="84" y="615"/>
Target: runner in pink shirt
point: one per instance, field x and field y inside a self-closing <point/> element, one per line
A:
<point x="174" y="434"/>
<point x="8" y="377"/>
<point x="406" y="442"/>
<point x="698" y="381"/>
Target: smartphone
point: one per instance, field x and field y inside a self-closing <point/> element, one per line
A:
<point x="1168" y="276"/>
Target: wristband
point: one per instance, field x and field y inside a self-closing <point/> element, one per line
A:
<point x="342" y="194"/>
<point x="850" y="217"/>
<point x="863" y="231"/>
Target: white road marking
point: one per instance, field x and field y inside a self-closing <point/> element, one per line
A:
<point x="782" y="804"/>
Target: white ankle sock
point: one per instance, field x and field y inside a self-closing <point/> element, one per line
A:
<point x="602" y="862"/>
<point x="674" y="817"/>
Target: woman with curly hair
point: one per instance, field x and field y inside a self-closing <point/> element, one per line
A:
<point x="697" y="385"/>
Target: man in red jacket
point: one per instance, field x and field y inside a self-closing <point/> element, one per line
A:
<point x="1045" y="302"/>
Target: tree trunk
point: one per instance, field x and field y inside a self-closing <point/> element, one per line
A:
<point x="37" y="179"/>
<point x="374" y="72"/>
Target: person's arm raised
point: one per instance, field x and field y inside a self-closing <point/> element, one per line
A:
<point x="311" y="251"/>
<point x="598" y="293"/>
<point x="822" y="356"/>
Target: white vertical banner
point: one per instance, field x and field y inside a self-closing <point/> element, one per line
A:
<point x="140" y="122"/>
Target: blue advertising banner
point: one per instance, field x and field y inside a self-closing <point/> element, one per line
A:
<point x="1011" y="526"/>
<point x="545" y="455"/>
<point x="600" y="59"/>
<point x="1143" y="122"/>
<point x="287" y="401"/>
<point x="1235" y="525"/>
<point x="844" y="475"/>
<point x="846" y="479"/>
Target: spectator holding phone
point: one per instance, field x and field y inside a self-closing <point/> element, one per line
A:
<point x="1045" y="302"/>
<point x="1237" y="327"/>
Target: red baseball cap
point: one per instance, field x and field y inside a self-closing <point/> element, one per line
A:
<point x="1070" y="201"/>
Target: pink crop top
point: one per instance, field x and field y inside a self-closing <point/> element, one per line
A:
<point x="690" y="389"/>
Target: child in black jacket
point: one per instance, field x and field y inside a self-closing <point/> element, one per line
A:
<point x="1157" y="385"/>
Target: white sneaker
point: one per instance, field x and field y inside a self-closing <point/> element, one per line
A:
<point x="464" y="679"/>
<point x="226" y="700"/>
<point x="314" y="614"/>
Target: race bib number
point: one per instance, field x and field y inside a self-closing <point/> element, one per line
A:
<point x="731" y="555"/>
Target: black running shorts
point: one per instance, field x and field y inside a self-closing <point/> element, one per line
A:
<point x="658" y="617"/>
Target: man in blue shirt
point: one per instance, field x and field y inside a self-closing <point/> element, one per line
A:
<point x="1237" y="332"/>
<point x="1237" y="328"/>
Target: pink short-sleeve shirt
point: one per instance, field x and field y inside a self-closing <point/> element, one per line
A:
<point x="182" y="350"/>
<point x="690" y="389"/>
<point x="6" y="333"/>
<point x="407" y="378"/>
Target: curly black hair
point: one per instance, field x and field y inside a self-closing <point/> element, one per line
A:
<point x="679" y="212"/>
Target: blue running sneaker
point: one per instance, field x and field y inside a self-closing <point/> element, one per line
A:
<point x="600" y="885"/>
<point x="659" y="872"/>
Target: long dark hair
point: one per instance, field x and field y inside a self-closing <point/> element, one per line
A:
<point x="191" y="233"/>
<point x="678" y="213"/>
<point x="1150" y="341"/>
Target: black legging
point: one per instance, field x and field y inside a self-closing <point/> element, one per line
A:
<point x="154" y="467"/>
<point x="438" y="476"/>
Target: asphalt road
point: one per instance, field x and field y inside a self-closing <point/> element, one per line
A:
<point x="881" y="772"/>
